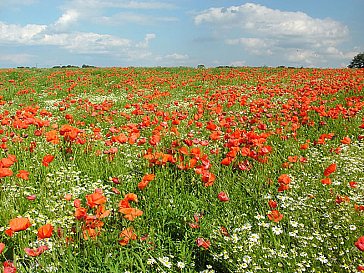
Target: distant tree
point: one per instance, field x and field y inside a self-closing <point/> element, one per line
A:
<point x="201" y="66"/>
<point x="357" y="61"/>
<point x="88" y="66"/>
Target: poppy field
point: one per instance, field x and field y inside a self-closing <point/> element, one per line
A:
<point x="182" y="170"/>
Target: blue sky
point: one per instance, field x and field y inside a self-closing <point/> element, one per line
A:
<point x="309" y="33"/>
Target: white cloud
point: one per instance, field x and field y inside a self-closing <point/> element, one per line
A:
<point x="257" y="46"/>
<point x="86" y="42"/>
<point x="75" y="42"/>
<point x="17" y="59"/>
<point x="19" y="34"/>
<point x="238" y="63"/>
<point x="173" y="59"/>
<point x="145" y="43"/>
<point x="176" y="56"/>
<point x="114" y="12"/>
<point x="68" y="18"/>
<point x="264" y="31"/>
<point x="262" y="20"/>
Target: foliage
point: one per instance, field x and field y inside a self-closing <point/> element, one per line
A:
<point x="357" y="61"/>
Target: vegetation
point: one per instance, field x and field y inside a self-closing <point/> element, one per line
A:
<point x="181" y="170"/>
<point x="357" y="61"/>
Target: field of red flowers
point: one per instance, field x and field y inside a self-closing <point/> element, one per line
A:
<point x="182" y="170"/>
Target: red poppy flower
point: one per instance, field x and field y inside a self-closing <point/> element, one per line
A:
<point x="52" y="137"/>
<point x="284" y="179"/>
<point x="330" y="169"/>
<point x="326" y="181"/>
<point x="145" y="181"/>
<point x="127" y="235"/>
<point x="31" y="197"/>
<point x="283" y="187"/>
<point x="224" y="231"/>
<point x="80" y="213"/>
<point x="360" y="243"/>
<point x="272" y="204"/>
<point x="345" y="140"/>
<point x="115" y="190"/>
<point x="19" y="224"/>
<point x="95" y="199"/>
<point x="201" y="242"/>
<point x="7" y="162"/>
<point x="2" y="246"/>
<point x="47" y="159"/>
<point x="131" y="213"/>
<point x="23" y="174"/>
<point x="194" y="225"/>
<point x="131" y="197"/>
<point x="4" y="172"/>
<point x="67" y="197"/>
<point x="35" y="251"/>
<point x="226" y="161"/>
<point x="275" y="216"/>
<point x="223" y="197"/>
<point x="9" y="267"/>
<point x="45" y="231"/>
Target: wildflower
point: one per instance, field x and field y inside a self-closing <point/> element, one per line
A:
<point x="151" y="261"/>
<point x="201" y="242"/>
<point x="96" y="198"/>
<point x="131" y="213"/>
<point x="18" y="224"/>
<point x="31" y="197"/>
<point x="23" y="174"/>
<point x="127" y="235"/>
<point x="36" y="252"/>
<point x="9" y="267"/>
<point x="67" y="197"/>
<point x="45" y="231"/>
<point x="326" y="181"/>
<point x="52" y="137"/>
<point x="47" y="159"/>
<point x="272" y="204"/>
<point x="360" y="243"/>
<point x="345" y="140"/>
<point x="247" y="259"/>
<point x="145" y="181"/>
<point x="80" y="213"/>
<point x="2" y="246"/>
<point x="165" y="261"/>
<point x="330" y="169"/>
<point x="352" y="227"/>
<point x="322" y="259"/>
<point x="223" y="197"/>
<point x="277" y="230"/>
<point x="254" y="238"/>
<point x="284" y="179"/>
<point x="181" y="265"/>
<point x="275" y="216"/>
<point x="5" y="172"/>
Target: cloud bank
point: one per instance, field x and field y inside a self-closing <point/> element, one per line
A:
<point x="295" y="36"/>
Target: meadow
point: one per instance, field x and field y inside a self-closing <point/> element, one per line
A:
<point x="182" y="170"/>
